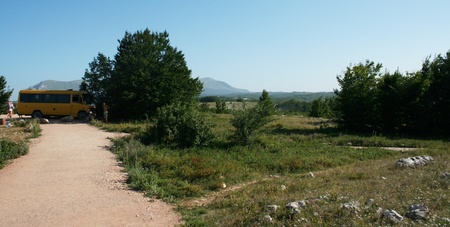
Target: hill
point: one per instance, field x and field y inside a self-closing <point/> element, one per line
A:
<point x="213" y="87"/>
<point x="57" y="85"/>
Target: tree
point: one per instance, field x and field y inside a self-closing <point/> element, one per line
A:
<point x="437" y="96"/>
<point x="5" y="93"/>
<point x="247" y="121"/>
<point x="97" y="79"/>
<point x="322" y="108"/>
<point x="357" y="99"/>
<point x="150" y="73"/>
<point x="266" y="104"/>
<point x="393" y="103"/>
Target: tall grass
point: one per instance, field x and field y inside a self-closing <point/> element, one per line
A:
<point x="283" y="153"/>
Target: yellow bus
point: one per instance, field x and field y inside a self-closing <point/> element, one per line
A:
<point x="40" y="103"/>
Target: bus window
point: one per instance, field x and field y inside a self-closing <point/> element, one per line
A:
<point x="76" y="99"/>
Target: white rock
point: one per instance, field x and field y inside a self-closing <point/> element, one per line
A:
<point x="351" y="206"/>
<point x="267" y="218"/>
<point x="272" y="208"/>
<point x="392" y="215"/>
<point x="414" y="161"/>
<point x="417" y="211"/>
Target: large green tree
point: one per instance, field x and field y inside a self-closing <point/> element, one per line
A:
<point x="97" y="79"/>
<point x="5" y="93"/>
<point x="149" y="73"/>
<point x="391" y="95"/>
<point x="357" y="99"/>
<point x="437" y="97"/>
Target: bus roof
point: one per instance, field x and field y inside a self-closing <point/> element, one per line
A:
<point x="70" y="91"/>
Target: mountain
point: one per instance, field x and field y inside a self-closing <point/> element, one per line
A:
<point x="213" y="87"/>
<point x="57" y="85"/>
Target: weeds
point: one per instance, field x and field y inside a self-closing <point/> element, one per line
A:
<point x="279" y="158"/>
<point x="13" y="142"/>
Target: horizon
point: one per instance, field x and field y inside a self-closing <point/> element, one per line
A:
<point x="14" y="98"/>
<point x="283" y="46"/>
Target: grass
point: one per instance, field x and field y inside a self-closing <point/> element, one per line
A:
<point x="279" y="159"/>
<point x="14" y="138"/>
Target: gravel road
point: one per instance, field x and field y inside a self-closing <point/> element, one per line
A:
<point x="69" y="178"/>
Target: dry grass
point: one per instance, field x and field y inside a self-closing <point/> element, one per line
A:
<point x="380" y="181"/>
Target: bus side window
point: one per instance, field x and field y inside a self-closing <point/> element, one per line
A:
<point x="76" y="99"/>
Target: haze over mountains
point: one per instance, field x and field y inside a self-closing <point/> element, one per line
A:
<point x="211" y="87"/>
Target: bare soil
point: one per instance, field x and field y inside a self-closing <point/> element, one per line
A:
<point x="69" y="178"/>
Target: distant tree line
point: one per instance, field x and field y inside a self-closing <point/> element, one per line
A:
<point x="414" y="103"/>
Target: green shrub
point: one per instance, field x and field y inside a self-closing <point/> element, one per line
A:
<point x="11" y="150"/>
<point x="181" y="125"/>
<point x="247" y="121"/>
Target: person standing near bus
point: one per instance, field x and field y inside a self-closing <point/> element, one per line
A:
<point x="105" y="112"/>
<point x="10" y="109"/>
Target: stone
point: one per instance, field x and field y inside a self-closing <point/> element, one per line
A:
<point x="392" y="215"/>
<point x="67" y="119"/>
<point x="283" y="187"/>
<point x="353" y="207"/>
<point x="414" y="161"/>
<point x="29" y="128"/>
<point x="268" y="219"/>
<point x="294" y="207"/>
<point x="272" y="208"/>
<point x="417" y="211"/>
<point x="44" y="121"/>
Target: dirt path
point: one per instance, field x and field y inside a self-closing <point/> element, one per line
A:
<point x="70" y="179"/>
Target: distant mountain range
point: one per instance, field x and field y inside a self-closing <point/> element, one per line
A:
<point x="57" y="85"/>
<point x="211" y="87"/>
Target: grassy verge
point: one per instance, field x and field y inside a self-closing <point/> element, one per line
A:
<point x="279" y="159"/>
<point x="14" y="139"/>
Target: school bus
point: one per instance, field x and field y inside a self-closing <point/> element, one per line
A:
<point x="40" y="103"/>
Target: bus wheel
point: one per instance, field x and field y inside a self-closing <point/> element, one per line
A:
<point x="82" y="115"/>
<point x="36" y="114"/>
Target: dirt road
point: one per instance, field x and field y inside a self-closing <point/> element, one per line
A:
<point x="69" y="178"/>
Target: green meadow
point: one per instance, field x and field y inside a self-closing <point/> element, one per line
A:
<point x="293" y="158"/>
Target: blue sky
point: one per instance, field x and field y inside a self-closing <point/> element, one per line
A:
<point x="277" y="45"/>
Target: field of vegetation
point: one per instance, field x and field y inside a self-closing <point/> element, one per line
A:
<point x="14" y="135"/>
<point x="340" y="179"/>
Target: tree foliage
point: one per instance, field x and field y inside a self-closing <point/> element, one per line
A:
<point x="265" y="104"/>
<point x="5" y="93"/>
<point x="150" y="73"/>
<point x="247" y="121"/>
<point x="147" y="73"/>
<point x="357" y="100"/>
<point x="97" y="78"/>
<point x="415" y="103"/>
<point x="323" y="107"/>
<point x="181" y="125"/>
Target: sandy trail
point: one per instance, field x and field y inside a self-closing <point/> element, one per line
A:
<point x="70" y="179"/>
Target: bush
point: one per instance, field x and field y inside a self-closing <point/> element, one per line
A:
<point x="247" y="121"/>
<point x="181" y="126"/>
<point x="11" y="150"/>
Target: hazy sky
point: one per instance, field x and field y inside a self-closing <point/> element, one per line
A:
<point x="277" y="45"/>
